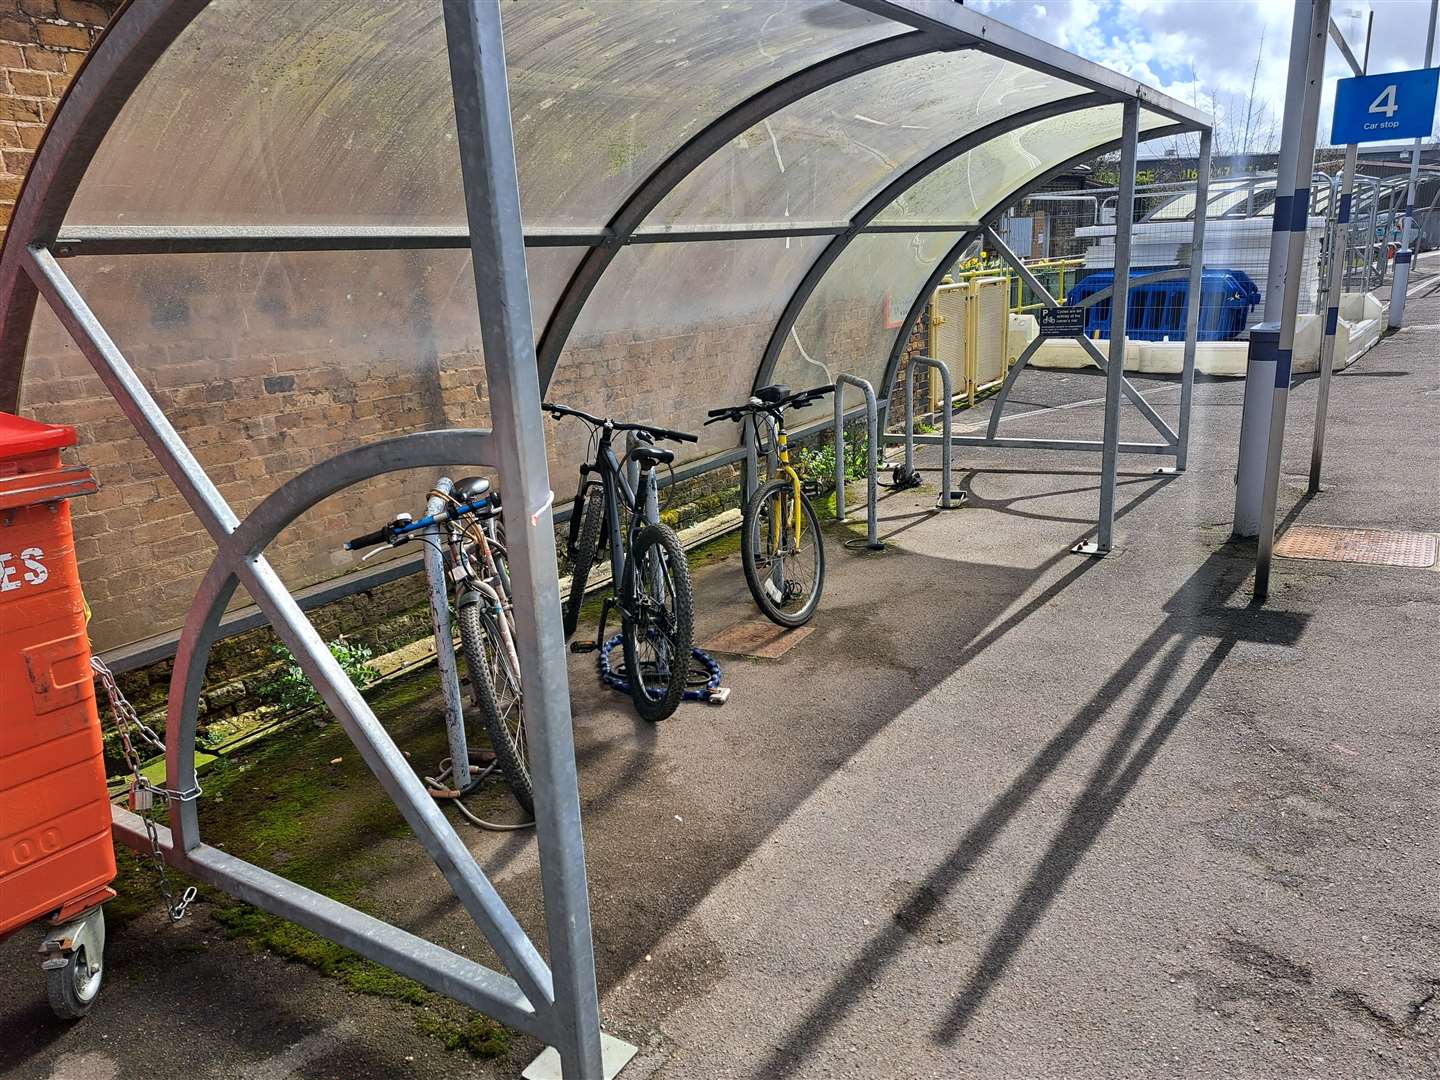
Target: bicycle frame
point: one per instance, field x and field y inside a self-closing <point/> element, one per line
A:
<point x="641" y="500"/>
<point x="783" y="469"/>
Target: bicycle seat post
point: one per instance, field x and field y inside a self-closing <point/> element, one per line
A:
<point x="647" y="503"/>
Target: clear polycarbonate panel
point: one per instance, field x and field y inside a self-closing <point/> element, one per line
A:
<point x="141" y="551"/>
<point x="266" y="365"/>
<point x="849" y="323"/>
<point x="339" y="111"/>
<point x="671" y="331"/>
<point x="964" y="190"/>
<point x="822" y="157"/>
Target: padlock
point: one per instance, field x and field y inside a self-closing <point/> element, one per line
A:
<point x="140" y="798"/>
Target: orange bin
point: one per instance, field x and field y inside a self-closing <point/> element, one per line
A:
<point x="56" y="856"/>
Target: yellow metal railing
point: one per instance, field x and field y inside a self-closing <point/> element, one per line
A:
<point x="1016" y="287"/>
<point x="977" y="340"/>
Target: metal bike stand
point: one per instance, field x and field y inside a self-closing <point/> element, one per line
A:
<point x="872" y="541"/>
<point x="433" y="540"/>
<point x="949" y="499"/>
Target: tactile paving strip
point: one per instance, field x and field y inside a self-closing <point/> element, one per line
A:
<point x="1382" y="547"/>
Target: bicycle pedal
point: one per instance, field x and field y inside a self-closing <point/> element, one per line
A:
<point x="584" y="646"/>
<point x="719" y="696"/>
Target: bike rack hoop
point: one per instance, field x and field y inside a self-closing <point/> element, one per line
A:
<point x="872" y="539"/>
<point x="949" y="499"/>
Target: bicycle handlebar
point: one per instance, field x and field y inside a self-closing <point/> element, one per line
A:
<point x="370" y="539"/>
<point x="615" y="425"/>
<point x="402" y="528"/>
<point x="801" y="397"/>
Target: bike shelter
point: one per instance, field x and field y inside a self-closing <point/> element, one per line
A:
<point x="289" y="252"/>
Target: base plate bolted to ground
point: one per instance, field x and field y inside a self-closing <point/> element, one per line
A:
<point x="614" y="1056"/>
<point x="1093" y="550"/>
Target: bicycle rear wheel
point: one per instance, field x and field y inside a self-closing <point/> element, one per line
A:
<point x="786" y="574"/>
<point x="658" y="631"/>
<point x="583" y="557"/>
<point x="495" y="688"/>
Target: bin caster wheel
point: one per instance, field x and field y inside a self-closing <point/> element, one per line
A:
<point x="75" y="965"/>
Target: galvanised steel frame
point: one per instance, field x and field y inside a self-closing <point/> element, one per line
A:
<point x="557" y="1002"/>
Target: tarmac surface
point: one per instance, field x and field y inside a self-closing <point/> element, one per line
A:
<point x="1007" y="812"/>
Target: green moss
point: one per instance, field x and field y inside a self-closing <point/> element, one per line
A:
<point x="713" y="551"/>
<point x="295" y="943"/>
<point x="479" y="1036"/>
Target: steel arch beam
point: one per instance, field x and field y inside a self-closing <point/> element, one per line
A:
<point x="989" y="218"/>
<point x="696" y="152"/>
<point x="122" y="57"/>
<point x="888" y="194"/>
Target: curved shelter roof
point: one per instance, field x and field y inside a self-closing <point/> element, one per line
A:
<point x="263" y="207"/>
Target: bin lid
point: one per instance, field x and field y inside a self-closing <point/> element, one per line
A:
<point x="19" y="436"/>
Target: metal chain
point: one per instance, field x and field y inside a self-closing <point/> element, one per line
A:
<point x="142" y="791"/>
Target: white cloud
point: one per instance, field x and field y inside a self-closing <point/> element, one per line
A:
<point x="1196" y="49"/>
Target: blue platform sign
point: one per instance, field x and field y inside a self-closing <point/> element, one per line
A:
<point x="1380" y="108"/>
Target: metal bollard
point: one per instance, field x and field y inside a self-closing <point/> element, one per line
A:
<point x="949" y="499"/>
<point x="872" y="541"/>
<point x="445" y="640"/>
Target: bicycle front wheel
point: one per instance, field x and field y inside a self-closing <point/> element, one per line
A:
<point x="495" y="689"/>
<point x="660" y="625"/>
<point x="785" y="571"/>
<point x="583" y="557"/>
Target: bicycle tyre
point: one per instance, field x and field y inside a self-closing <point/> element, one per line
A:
<point x="583" y="559"/>
<point x="660" y="702"/>
<point x="475" y="631"/>
<point x="749" y="541"/>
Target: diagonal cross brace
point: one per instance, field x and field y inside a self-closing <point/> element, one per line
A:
<point x="1101" y="361"/>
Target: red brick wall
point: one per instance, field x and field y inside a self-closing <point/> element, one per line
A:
<point x="42" y="43"/>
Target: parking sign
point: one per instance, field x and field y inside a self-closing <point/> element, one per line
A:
<point x="1379" y="108"/>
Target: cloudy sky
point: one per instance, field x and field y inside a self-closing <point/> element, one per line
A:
<point x="1193" y="48"/>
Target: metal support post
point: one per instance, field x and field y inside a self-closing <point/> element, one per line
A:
<point x="1339" y="256"/>
<point x="948" y="499"/>
<point x="479" y="82"/>
<point x="1103" y="543"/>
<point x="439" y="588"/>
<point x="1281" y="341"/>
<point x="872" y="539"/>
<point x="1192" y="308"/>
<point x="1260" y="364"/>
<point x="1407" y="226"/>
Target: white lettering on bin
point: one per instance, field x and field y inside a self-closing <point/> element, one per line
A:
<point x="35" y="570"/>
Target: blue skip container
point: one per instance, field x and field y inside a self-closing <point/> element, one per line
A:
<point x="1157" y="308"/>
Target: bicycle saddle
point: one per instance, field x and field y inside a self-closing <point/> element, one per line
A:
<point x="773" y="393"/>
<point x="471" y="489"/>
<point x="652" y="455"/>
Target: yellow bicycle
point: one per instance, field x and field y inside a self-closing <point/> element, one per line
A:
<point x="780" y="545"/>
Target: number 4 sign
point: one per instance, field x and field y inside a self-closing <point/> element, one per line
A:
<point x="1382" y="108"/>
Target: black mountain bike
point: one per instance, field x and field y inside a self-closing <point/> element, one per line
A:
<point x="654" y="596"/>
<point x="780" y="545"/>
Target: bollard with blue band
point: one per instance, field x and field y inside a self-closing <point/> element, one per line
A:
<point x="1297" y="153"/>
<point x="1271" y="346"/>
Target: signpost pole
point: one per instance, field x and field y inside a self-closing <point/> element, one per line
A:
<point x="1336" y="286"/>
<point x="1407" y="229"/>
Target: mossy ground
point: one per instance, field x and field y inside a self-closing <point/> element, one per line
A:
<point x="288" y="804"/>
